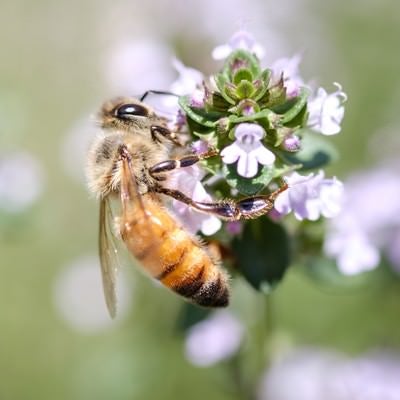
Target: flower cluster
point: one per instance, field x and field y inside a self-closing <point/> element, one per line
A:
<point x="267" y="124"/>
<point x="267" y="128"/>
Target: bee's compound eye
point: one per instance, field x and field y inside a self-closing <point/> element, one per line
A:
<point x="127" y="111"/>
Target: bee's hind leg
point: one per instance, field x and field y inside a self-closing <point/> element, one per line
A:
<point x="229" y="210"/>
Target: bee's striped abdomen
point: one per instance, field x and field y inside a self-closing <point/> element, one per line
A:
<point x="173" y="257"/>
<point x="194" y="275"/>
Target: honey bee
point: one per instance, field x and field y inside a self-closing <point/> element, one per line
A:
<point x="130" y="162"/>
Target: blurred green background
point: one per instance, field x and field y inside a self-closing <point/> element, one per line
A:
<point x="59" y="61"/>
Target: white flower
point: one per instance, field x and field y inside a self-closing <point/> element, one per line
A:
<point x="289" y="68"/>
<point x="240" y="40"/>
<point x="21" y="181"/>
<point x="213" y="339"/>
<point x="351" y="247"/>
<point x="188" y="81"/>
<point x="316" y="374"/>
<point x="326" y="111"/>
<point x="188" y="181"/>
<point x="137" y="65"/>
<point x="310" y="196"/>
<point x="79" y="300"/>
<point x="366" y="225"/>
<point x="248" y="150"/>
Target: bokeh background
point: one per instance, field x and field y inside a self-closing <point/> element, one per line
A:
<point x="310" y="340"/>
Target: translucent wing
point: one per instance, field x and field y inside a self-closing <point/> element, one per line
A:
<point x="108" y="256"/>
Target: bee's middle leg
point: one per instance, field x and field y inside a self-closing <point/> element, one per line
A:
<point x="185" y="161"/>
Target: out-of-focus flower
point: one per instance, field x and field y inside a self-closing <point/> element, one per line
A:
<point x="234" y="227"/>
<point x="289" y="68"/>
<point x="21" y="181"/>
<point x="307" y="370"/>
<point x="79" y="299"/>
<point x="188" y="181"/>
<point x="213" y="339"/>
<point x="316" y="374"/>
<point x="188" y="81"/>
<point x="326" y="111"/>
<point x="366" y="224"/>
<point x="240" y="40"/>
<point x="137" y="66"/>
<point x="352" y="249"/>
<point x="75" y="145"/>
<point x="310" y="196"/>
<point x="248" y="150"/>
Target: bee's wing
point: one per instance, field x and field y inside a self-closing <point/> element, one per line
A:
<point x="137" y="223"/>
<point x="131" y="200"/>
<point x="108" y="256"/>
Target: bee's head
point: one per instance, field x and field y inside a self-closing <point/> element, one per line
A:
<point x="125" y="113"/>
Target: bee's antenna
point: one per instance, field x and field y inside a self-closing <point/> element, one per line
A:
<point x="160" y="92"/>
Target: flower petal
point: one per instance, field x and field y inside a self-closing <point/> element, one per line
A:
<point x="247" y="166"/>
<point x="210" y="225"/>
<point x="231" y="153"/>
<point x="282" y="203"/>
<point x="263" y="155"/>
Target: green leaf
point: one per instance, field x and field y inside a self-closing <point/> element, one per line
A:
<point x="221" y="81"/>
<point x="216" y="103"/>
<point x="242" y="74"/>
<point x="263" y="253"/>
<point x="212" y="165"/>
<point x="199" y="115"/>
<point x="265" y="114"/>
<point x="248" y="186"/>
<point x="296" y="107"/>
<point x="241" y="59"/>
<point x="316" y="151"/>
<point x="199" y="130"/>
<point x="245" y="90"/>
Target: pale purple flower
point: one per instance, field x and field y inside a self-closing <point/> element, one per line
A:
<point x="289" y="68"/>
<point x="326" y="111"/>
<point x="200" y="146"/>
<point x="291" y="143"/>
<point x="316" y="374"/>
<point x="188" y="181"/>
<point x="234" y="227"/>
<point x="21" y="181"/>
<point x="310" y="196"/>
<point x="75" y="145"/>
<point x="197" y="98"/>
<point x="79" y="300"/>
<point x="135" y="66"/>
<point x="248" y="150"/>
<point x="242" y="39"/>
<point x="188" y="81"/>
<point x="213" y="339"/>
<point x="368" y="222"/>
<point x="351" y="247"/>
